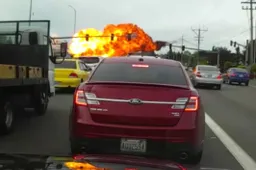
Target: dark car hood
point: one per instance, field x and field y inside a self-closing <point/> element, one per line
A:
<point x="121" y="162"/>
<point x="111" y="162"/>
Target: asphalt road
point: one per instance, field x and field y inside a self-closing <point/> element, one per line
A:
<point x="233" y="109"/>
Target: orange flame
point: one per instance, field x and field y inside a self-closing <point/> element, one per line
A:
<point x="100" y="43"/>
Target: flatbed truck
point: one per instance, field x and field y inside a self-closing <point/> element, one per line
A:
<point x="26" y="69"/>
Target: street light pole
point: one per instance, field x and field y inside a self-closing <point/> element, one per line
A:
<point x="74" y="17"/>
<point x="30" y="11"/>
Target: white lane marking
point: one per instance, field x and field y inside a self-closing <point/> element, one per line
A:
<point x="240" y="155"/>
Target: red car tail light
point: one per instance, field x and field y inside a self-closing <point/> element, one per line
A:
<point x="188" y="104"/>
<point x="233" y="75"/>
<point x="80" y="98"/>
<point x="83" y="98"/>
<point x="140" y="65"/>
<point x="198" y="74"/>
<point x="73" y="75"/>
<point x="192" y="104"/>
<point x="219" y="76"/>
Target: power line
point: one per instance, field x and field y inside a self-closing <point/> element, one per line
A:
<point x="228" y="38"/>
<point x="251" y="8"/>
<point x="190" y="42"/>
<point x="199" y="38"/>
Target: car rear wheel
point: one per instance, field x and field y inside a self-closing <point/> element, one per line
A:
<point x="219" y="87"/>
<point x="75" y="149"/>
<point x="196" y="158"/>
<point x="247" y="83"/>
<point x="6" y="117"/>
<point x="229" y="82"/>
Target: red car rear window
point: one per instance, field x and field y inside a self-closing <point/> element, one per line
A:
<point x="126" y="72"/>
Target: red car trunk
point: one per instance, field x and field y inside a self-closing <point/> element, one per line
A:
<point x="114" y="106"/>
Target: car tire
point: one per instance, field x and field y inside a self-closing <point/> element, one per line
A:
<point x="229" y="82"/>
<point x="196" y="158"/>
<point x="75" y="148"/>
<point x="41" y="100"/>
<point x="219" y="87"/>
<point x="246" y="83"/>
<point x="6" y="118"/>
<point x="41" y="103"/>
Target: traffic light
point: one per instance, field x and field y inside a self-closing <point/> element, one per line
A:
<point x="234" y="44"/>
<point x="87" y="37"/>
<point x="112" y="37"/>
<point x="129" y="37"/>
<point x="231" y="43"/>
<point x="170" y="47"/>
<point x="183" y="48"/>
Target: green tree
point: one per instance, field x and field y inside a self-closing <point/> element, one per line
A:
<point x="227" y="65"/>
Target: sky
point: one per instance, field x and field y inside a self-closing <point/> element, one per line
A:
<point x="167" y="20"/>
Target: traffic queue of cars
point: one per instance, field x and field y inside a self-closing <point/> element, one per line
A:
<point x="205" y="75"/>
<point x="140" y="106"/>
<point x="237" y="75"/>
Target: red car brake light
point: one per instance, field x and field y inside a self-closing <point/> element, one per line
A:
<point x="192" y="104"/>
<point x="140" y="65"/>
<point x="198" y="74"/>
<point x="80" y="98"/>
<point x="219" y="76"/>
<point x="73" y="75"/>
<point x="233" y="75"/>
<point x="83" y="98"/>
<point x="188" y="104"/>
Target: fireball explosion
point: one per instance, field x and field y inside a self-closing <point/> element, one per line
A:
<point x="100" y="44"/>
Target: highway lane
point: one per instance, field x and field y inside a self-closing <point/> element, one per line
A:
<point x="49" y="134"/>
<point x="234" y="109"/>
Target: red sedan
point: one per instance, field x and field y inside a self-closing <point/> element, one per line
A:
<point x="140" y="106"/>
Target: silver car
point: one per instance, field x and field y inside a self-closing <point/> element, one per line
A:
<point x="206" y="75"/>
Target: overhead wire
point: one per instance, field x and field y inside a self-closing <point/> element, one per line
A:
<point x="229" y="38"/>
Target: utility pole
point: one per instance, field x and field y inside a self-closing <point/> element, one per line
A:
<point x="181" y="54"/>
<point x="199" y="38"/>
<point x="30" y="11"/>
<point x="251" y="8"/>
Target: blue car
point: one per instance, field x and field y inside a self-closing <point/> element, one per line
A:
<point x="237" y="75"/>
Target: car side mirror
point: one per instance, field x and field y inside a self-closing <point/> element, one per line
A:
<point x="63" y="49"/>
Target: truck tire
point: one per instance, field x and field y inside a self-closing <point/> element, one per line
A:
<point x="6" y="117"/>
<point x="41" y="101"/>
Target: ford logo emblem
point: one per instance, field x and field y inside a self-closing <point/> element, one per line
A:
<point x="135" y="101"/>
